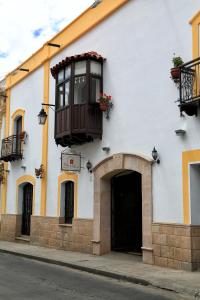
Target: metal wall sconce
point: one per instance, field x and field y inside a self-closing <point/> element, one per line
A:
<point x="42" y="116"/>
<point x="106" y="149"/>
<point x="155" y="155"/>
<point x="180" y="132"/>
<point x="89" y="166"/>
<point x="39" y="173"/>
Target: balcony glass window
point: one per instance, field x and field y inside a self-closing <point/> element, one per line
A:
<point x="80" y="90"/>
<point x="95" y="68"/>
<point x="67" y="86"/>
<point x="79" y="83"/>
<point x="67" y="72"/>
<point x="61" y="102"/>
<point x="80" y="67"/>
<point x="95" y="89"/>
<point x="61" y="76"/>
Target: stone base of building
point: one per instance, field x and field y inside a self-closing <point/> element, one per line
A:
<point x="51" y="232"/>
<point x="176" y="246"/>
<point x="54" y="233"/>
<point x="10" y="226"/>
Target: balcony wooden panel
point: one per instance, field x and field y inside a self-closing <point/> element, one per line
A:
<point x="63" y="121"/>
<point x="79" y="113"/>
<point x="77" y="124"/>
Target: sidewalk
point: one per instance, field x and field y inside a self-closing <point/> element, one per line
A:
<point x="115" y="265"/>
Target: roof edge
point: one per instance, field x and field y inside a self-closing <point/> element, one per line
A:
<point x="87" y="20"/>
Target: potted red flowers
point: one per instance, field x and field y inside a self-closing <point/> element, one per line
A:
<point x="105" y="101"/>
<point x="175" y="72"/>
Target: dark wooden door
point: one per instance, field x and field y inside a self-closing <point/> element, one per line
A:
<point x="69" y="202"/>
<point x="126" y="212"/>
<point x="27" y="208"/>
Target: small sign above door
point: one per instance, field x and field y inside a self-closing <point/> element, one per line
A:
<point x="70" y="162"/>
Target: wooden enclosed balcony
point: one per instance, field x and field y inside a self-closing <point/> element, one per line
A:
<point x="79" y="82"/>
<point x="189" y="87"/>
<point x="78" y="124"/>
<point x="11" y="148"/>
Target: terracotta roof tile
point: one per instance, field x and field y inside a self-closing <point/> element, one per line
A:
<point x="92" y="54"/>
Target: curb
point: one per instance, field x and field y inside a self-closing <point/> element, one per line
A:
<point x="135" y="280"/>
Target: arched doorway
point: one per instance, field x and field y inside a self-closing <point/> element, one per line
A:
<point x="126" y="212"/>
<point x="67" y="201"/>
<point x="103" y="174"/>
<point x="27" y="203"/>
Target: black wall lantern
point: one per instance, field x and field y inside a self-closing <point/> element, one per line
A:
<point x="42" y="116"/>
<point x="89" y="166"/>
<point x="155" y="155"/>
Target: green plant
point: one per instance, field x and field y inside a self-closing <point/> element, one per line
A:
<point x="177" y="61"/>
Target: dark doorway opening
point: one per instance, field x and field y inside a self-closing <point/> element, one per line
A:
<point x="126" y="212"/>
<point x="18" y="130"/>
<point x="27" y="208"/>
<point x="69" y="202"/>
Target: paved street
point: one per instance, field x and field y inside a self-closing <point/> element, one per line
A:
<point x="22" y="278"/>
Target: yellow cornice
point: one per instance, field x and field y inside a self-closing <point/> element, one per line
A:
<point x="194" y="18"/>
<point x="82" y="24"/>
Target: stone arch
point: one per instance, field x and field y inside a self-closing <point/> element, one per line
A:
<point x="103" y="172"/>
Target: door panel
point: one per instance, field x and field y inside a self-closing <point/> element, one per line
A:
<point x="27" y="208"/>
<point x="69" y="202"/>
<point x="18" y="131"/>
<point x="126" y="210"/>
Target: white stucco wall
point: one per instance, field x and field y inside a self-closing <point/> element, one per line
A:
<point x="27" y="95"/>
<point x="138" y="42"/>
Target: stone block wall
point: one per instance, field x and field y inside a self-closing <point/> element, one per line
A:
<point x="52" y="232"/>
<point x="176" y="246"/>
<point x="10" y="227"/>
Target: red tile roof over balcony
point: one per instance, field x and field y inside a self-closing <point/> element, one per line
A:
<point x="77" y="57"/>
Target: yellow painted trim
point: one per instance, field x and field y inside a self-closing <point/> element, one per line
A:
<point x="195" y="21"/>
<point x="45" y="141"/>
<point x="17" y="113"/>
<point x="194" y="18"/>
<point x="7" y="128"/>
<point x="187" y="158"/>
<point x="19" y="181"/>
<point x="81" y="25"/>
<point x="68" y="177"/>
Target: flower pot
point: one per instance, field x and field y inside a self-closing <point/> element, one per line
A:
<point x="22" y="135"/>
<point x="103" y="106"/>
<point x="175" y="73"/>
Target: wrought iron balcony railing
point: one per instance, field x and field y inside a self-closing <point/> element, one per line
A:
<point x="189" y="87"/>
<point x="11" y="148"/>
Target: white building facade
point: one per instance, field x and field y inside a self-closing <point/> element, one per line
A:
<point x="120" y="199"/>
